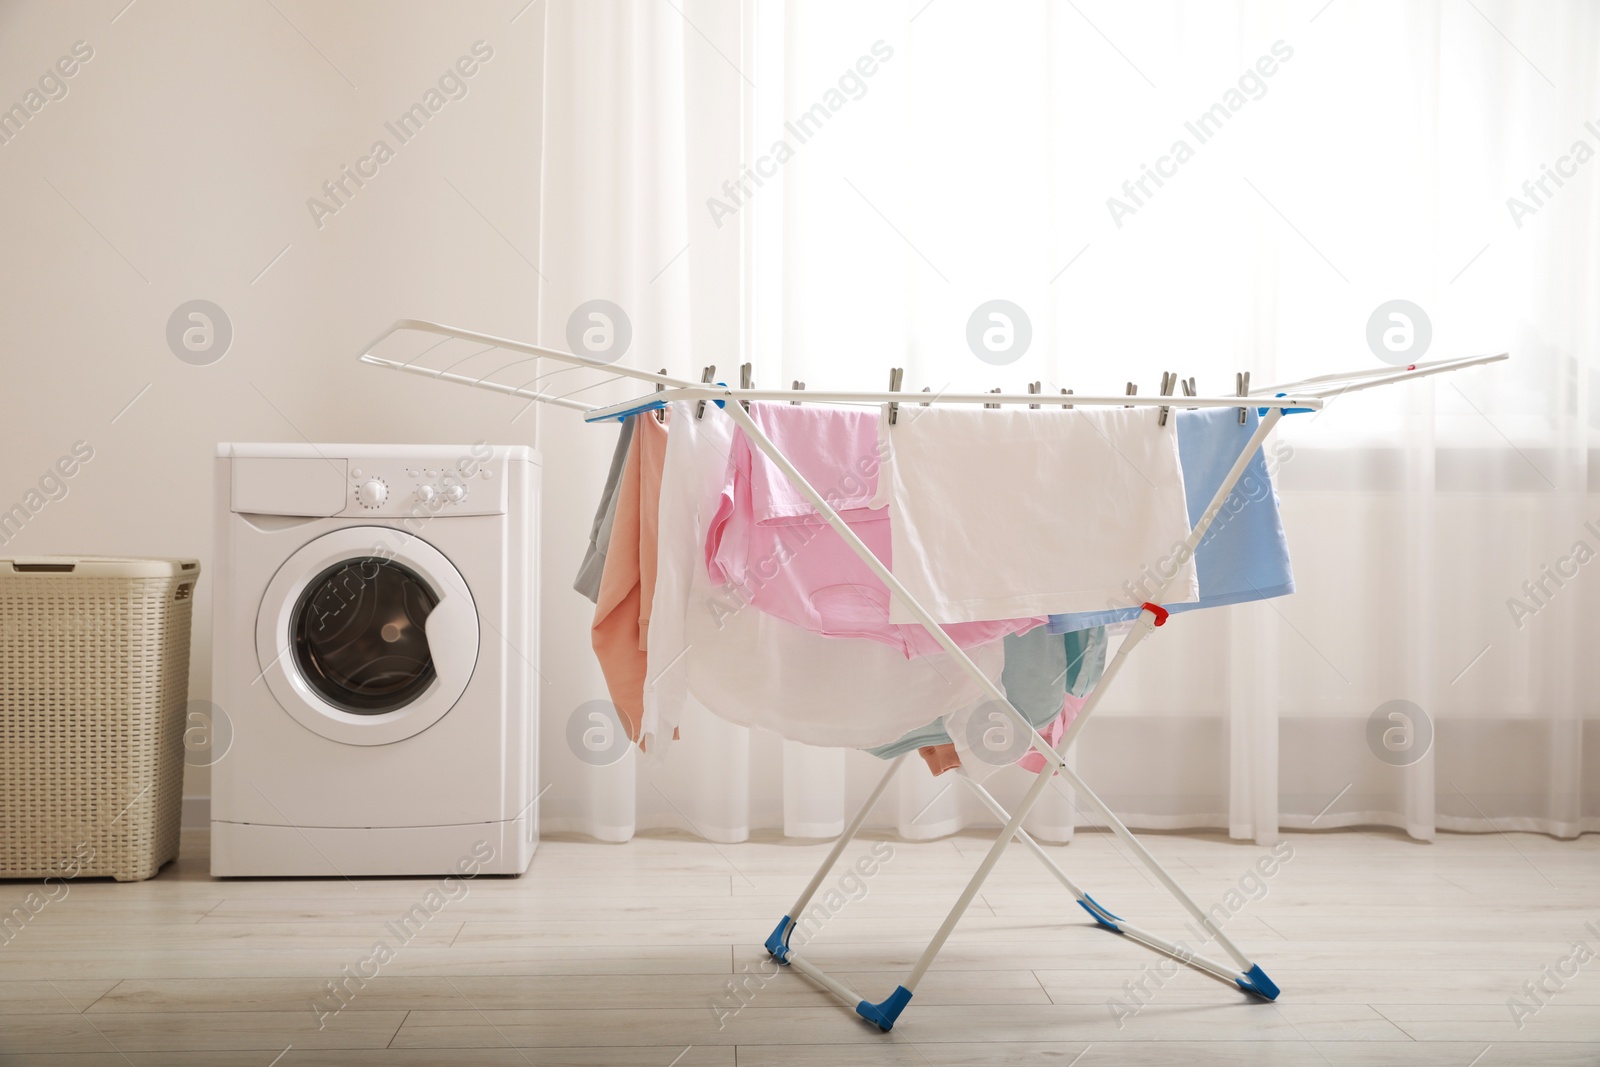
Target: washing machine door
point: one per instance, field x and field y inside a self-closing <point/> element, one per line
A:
<point x="364" y="643"/>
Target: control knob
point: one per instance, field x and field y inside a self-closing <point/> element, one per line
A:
<point x="372" y="493"/>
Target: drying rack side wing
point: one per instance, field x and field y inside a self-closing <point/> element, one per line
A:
<point x="499" y="364"/>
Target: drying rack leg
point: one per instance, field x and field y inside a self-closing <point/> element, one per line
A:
<point x="1022" y="835"/>
<point x="1247" y="976"/>
<point x="884" y="1014"/>
<point x="1250" y="977"/>
<point x="778" y="942"/>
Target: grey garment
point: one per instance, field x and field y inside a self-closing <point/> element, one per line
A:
<point x="1041" y="669"/>
<point x="594" y="559"/>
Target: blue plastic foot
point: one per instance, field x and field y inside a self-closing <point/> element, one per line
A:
<point x="1255" y="981"/>
<point x="883" y="1015"/>
<point x="1100" y="914"/>
<point x="778" y="943"/>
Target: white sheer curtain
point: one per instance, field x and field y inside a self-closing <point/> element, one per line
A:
<point x="634" y="116"/>
<point x="831" y="189"/>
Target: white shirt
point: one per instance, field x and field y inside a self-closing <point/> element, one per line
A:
<point x="1014" y="513"/>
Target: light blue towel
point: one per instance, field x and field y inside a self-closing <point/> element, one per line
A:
<point x="1244" y="555"/>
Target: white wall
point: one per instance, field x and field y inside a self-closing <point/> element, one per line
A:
<point x="177" y="166"/>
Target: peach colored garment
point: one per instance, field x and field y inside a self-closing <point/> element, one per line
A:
<point x="627" y="587"/>
<point x="941" y="758"/>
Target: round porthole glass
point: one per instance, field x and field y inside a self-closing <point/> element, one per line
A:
<point x="359" y="635"/>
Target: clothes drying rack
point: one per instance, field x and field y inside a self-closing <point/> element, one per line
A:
<point x="449" y="354"/>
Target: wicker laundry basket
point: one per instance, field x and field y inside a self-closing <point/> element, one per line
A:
<point x="94" y="684"/>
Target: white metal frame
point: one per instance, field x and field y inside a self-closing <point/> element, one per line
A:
<point x="1275" y="400"/>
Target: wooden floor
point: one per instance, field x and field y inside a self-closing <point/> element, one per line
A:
<point x="1388" y="952"/>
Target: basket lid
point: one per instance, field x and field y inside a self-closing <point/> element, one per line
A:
<point x="99" y="567"/>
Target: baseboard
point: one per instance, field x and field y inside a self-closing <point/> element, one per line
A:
<point x="196" y="813"/>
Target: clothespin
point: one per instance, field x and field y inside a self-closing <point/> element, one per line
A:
<point x="1066" y="392"/>
<point x="1168" y="381"/>
<point x="1035" y="387"/>
<point x="1133" y="390"/>
<point x="661" y="413"/>
<point x="798" y="385"/>
<point x="895" y="375"/>
<point x="927" y="389"/>
<point x="746" y="381"/>
<point x="1242" y="382"/>
<point x="992" y="405"/>
<point x="707" y="376"/>
<point x="1188" y="388"/>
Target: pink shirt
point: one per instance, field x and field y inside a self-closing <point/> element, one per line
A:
<point x="781" y="557"/>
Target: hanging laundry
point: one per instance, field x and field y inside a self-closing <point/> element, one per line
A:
<point x="1244" y="555"/>
<point x="751" y="668"/>
<point x="771" y="548"/>
<point x="620" y="633"/>
<point x="1044" y="673"/>
<point x="755" y="669"/>
<point x="1012" y="513"/>
<point x="594" y="557"/>
<point x="1042" y="667"/>
<point x="691" y="487"/>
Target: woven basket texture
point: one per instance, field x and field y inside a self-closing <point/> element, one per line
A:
<point x="94" y="685"/>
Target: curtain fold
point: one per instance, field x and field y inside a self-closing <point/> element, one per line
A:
<point x="827" y="190"/>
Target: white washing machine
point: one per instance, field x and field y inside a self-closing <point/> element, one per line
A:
<point x="374" y="660"/>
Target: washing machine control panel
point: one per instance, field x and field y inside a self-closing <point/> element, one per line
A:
<point x="472" y="483"/>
